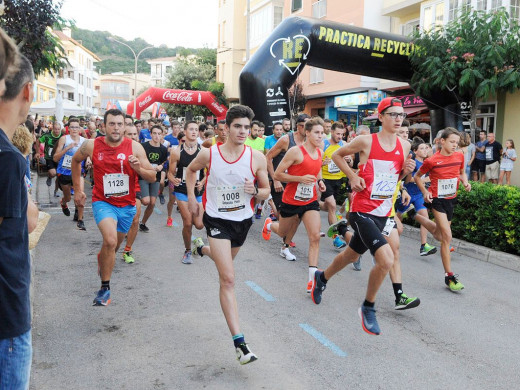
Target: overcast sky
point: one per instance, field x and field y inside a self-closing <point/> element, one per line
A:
<point x="188" y="23"/>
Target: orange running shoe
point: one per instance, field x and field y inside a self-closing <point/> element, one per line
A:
<point x="266" y="234"/>
<point x="452" y="249"/>
<point x="310" y="287"/>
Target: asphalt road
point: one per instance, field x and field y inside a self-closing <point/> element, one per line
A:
<point x="165" y="330"/>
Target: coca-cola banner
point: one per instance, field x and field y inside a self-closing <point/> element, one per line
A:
<point x="176" y="96"/>
<point x="298" y="41"/>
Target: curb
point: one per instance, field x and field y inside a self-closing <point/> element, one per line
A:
<point x="478" y="252"/>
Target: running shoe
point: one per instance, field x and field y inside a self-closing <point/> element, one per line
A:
<point x="76" y="216"/>
<point x="453" y="283"/>
<point x="357" y="264"/>
<point x="338" y="216"/>
<point x="404" y="302"/>
<point x="273" y="217"/>
<point x="65" y="210"/>
<point x="244" y="354"/>
<point x="369" y="320"/>
<point x="292" y="244"/>
<point x="81" y="225"/>
<point x="427" y="249"/>
<point x="48" y="181"/>
<point x="186" y="259"/>
<point x="319" y="287"/>
<point x="102" y="298"/>
<point x="56" y="195"/>
<point x="452" y="249"/>
<point x="310" y="287"/>
<point x="266" y="233"/>
<point x="197" y="243"/>
<point x="339" y="243"/>
<point x="169" y="222"/>
<point x="143" y="228"/>
<point x="284" y="252"/>
<point x="322" y="234"/>
<point x="128" y="258"/>
<point x="161" y="199"/>
<point x="333" y="229"/>
<point x="410" y="212"/>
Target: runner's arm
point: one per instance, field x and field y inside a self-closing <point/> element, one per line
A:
<point x="84" y="151"/>
<point x="358" y="144"/>
<point x="281" y="145"/>
<point x="420" y="184"/>
<point x="142" y="166"/>
<point x="198" y="163"/>
<point x="293" y="156"/>
<point x="174" y="158"/>
<point x="263" y="190"/>
<point x="60" y="151"/>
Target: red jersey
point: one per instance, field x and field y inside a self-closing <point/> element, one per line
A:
<point x="444" y="174"/>
<point x="113" y="177"/>
<point x="381" y="175"/>
<point x="299" y="194"/>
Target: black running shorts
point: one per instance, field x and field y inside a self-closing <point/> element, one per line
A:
<point x="277" y="196"/>
<point x="445" y="206"/>
<point x="369" y="232"/>
<point x="333" y="188"/>
<point x="65" y="180"/>
<point x="289" y="210"/>
<point x="224" y="229"/>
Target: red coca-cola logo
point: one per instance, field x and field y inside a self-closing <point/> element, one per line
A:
<point x="146" y="100"/>
<point x="217" y="106"/>
<point x="179" y="97"/>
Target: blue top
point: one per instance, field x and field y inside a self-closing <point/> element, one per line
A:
<point x="15" y="264"/>
<point x="411" y="187"/>
<point x="145" y="135"/>
<point x="270" y="141"/>
<point x="480" y="155"/>
<point x="65" y="163"/>
<point x="326" y="144"/>
<point x="172" y="140"/>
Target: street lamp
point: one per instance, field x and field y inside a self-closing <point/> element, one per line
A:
<point x="136" y="57"/>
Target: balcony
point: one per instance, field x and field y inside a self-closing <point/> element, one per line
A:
<point x="66" y="83"/>
<point x="400" y="8"/>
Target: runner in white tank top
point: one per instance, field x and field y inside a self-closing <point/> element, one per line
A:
<point x="236" y="176"/>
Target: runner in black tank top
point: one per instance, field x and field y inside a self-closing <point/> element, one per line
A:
<point x="180" y="158"/>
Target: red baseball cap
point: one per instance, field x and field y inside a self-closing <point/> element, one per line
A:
<point x="388" y="102"/>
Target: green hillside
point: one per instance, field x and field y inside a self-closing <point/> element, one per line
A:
<point x="118" y="58"/>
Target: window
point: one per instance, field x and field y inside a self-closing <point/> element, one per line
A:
<point x="319" y="9"/>
<point x="80" y="99"/>
<point x="408" y="28"/>
<point x="70" y="74"/>
<point x="296" y="5"/>
<point x="70" y="96"/>
<point x="316" y="75"/>
<point x="277" y="16"/>
<point x="515" y="9"/>
<point x="42" y="95"/>
<point x="458" y="7"/>
<point x="224" y="34"/>
<point x="51" y="95"/>
<point x="432" y="15"/>
<point x="261" y="25"/>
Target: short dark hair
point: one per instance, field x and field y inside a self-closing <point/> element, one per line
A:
<point x="313" y="122"/>
<point x="73" y="119"/>
<point x="258" y="123"/>
<point x="449" y="131"/>
<point x="336" y="125"/>
<point x="202" y="127"/>
<point x="327" y="121"/>
<point x="113" y="112"/>
<point x="277" y="123"/>
<point x="188" y="122"/>
<point x="181" y="135"/>
<point x="156" y="127"/>
<point x="239" y="111"/>
<point x="301" y="118"/>
<point x="405" y="123"/>
<point x="221" y="122"/>
<point x="174" y="123"/>
<point x="15" y="82"/>
<point x="30" y="125"/>
<point x="416" y="142"/>
<point x="127" y="116"/>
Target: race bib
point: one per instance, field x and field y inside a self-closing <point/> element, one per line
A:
<point x="304" y="192"/>
<point x="384" y="185"/>
<point x="230" y="198"/>
<point x="67" y="161"/>
<point x="184" y="175"/>
<point x="390" y="223"/>
<point x="489" y="154"/>
<point x="49" y="152"/>
<point x="333" y="168"/>
<point x="447" y="188"/>
<point x="116" y="184"/>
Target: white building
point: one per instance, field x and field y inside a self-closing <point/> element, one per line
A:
<point x="159" y="67"/>
<point x="76" y="81"/>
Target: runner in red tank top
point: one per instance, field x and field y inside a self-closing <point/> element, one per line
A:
<point x="383" y="163"/>
<point x="116" y="161"/>
<point x="301" y="170"/>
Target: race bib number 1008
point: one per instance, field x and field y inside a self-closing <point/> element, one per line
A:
<point x="230" y="198"/>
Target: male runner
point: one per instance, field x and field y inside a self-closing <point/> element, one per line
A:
<point x="220" y="135"/>
<point x="236" y="175"/>
<point x="49" y="139"/>
<point x="157" y="155"/>
<point x="128" y="256"/>
<point x="180" y="158"/>
<point x="286" y="123"/>
<point x="67" y="146"/>
<point x="383" y="162"/>
<point x="254" y="140"/>
<point x="301" y="170"/>
<point x="116" y="160"/>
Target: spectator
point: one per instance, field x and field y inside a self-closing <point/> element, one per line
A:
<point x="468" y="149"/>
<point x="493" y="154"/>
<point x="479" y="163"/>
<point x="18" y="217"/>
<point x="506" y="165"/>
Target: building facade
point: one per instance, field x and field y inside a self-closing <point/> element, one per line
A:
<point x="119" y="87"/>
<point x="44" y="88"/>
<point x="159" y="68"/>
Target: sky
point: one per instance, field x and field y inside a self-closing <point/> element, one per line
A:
<point x="188" y="23"/>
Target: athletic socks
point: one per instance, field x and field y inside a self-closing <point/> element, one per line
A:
<point x="368" y="304"/>
<point x="342" y="230"/>
<point x="398" y="289"/>
<point x="127" y="248"/>
<point x="238" y="339"/>
<point x="312" y="271"/>
<point x="323" y="278"/>
<point x="105" y="284"/>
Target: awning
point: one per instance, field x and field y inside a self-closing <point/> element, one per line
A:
<point x="410" y="111"/>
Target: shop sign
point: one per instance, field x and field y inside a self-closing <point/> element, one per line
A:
<point x="355" y="99"/>
<point x="411" y="100"/>
<point x="375" y="96"/>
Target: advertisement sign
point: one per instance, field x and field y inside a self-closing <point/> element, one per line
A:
<point x="355" y="99"/>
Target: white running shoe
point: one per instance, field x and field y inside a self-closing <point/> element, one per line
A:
<point x="244" y="354"/>
<point x="284" y="252"/>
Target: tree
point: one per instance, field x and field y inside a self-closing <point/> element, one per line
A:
<point x="474" y="57"/>
<point x="297" y="99"/>
<point x="29" y="23"/>
<point x="198" y="75"/>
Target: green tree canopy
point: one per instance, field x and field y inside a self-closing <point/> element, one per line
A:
<point x="474" y="56"/>
<point x="29" y="23"/>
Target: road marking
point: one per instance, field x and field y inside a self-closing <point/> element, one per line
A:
<point x="322" y="339"/>
<point x="260" y="291"/>
<point x="157" y="211"/>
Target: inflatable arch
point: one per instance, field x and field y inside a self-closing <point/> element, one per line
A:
<point x="176" y="96"/>
<point x="298" y="41"/>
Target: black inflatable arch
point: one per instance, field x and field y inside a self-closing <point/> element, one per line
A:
<point x="298" y="41"/>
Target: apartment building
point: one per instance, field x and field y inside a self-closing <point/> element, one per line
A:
<point x="159" y="68"/>
<point x="119" y="87"/>
<point x="76" y="81"/>
<point x="45" y="88"/>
